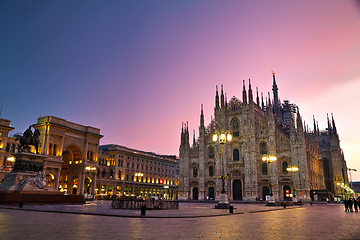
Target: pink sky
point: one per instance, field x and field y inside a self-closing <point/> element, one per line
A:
<point x="136" y="70"/>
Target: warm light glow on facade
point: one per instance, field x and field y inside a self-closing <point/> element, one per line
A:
<point x="88" y="168"/>
<point x="268" y="158"/>
<point x="292" y="169"/>
<point x="11" y="159"/>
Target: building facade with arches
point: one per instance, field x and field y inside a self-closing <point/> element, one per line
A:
<point x="71" y="151"/>
<point x="76" y="164"/>
<point x="8" y="147"/>
<point x="260" y="128"/>
<point x="129" y="172"/>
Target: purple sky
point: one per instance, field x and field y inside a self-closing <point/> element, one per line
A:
<point x="137" y="69"/>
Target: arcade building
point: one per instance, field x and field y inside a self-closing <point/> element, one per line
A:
<point x="76" y="164"/>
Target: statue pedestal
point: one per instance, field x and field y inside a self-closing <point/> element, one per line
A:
<point x="27" y="174"/>
<point x="27" y="183"/>
<point x="224" y="202"/>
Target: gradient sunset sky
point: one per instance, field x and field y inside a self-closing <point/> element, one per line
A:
<point x="138" y="69"/>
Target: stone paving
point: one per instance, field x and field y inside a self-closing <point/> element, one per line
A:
<point x="326" y="221"/>
<point x="186" y="210"/>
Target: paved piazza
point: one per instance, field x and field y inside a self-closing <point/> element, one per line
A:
<point x="191" y="221"/>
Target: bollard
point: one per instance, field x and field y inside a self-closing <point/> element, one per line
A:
<point x="231" y="209"/>
<point x="143" y="210"/>
<point x="21" y="204"/>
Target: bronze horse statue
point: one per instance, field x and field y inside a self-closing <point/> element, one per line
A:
<point x="28" y="139"/>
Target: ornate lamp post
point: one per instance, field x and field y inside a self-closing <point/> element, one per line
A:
<point x="268" y="158"/>
<point x="222" y="138"/>
<point x="292" y="170"/>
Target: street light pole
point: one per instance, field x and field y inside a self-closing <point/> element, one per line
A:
<point x="292" y="170"/>
<point x="268" y="159"/>
<point x="351" y="169"/>
<point x="222" y="138"/>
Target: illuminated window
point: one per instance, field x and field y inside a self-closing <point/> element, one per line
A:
<point x="54" y="149"/>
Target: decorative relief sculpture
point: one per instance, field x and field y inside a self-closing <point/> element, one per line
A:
<point x="37" y="181"/>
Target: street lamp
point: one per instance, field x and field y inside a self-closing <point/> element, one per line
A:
<point x="351" y="169"/>
<point x="222" y="138"/>
<point x="346" y="189"/>
<point x="292" y="170"/>
<point x="137" y="175"/>
<point x="268" y="158"/>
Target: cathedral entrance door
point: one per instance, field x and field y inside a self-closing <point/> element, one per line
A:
<point x="265" y="191"/>
<point x="211" y="193"/>
<point x="195" y="193"/>
<point x="237" y="190"/>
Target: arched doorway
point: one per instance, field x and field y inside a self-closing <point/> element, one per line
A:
<point x="265" y="191"/>
<point x="87" y="185"/>
<point x="195" y="193"/>
<point x="50" y="180"/>
<point x="211" y="193"/>
<point x="72" y="157"/>
<point x="287" y="192"/>
<point x="237" y="190"/>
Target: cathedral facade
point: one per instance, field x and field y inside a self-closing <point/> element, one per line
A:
<point x="261" y="128"/>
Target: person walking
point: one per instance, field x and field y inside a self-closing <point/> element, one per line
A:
<point x="355" y="205"/>
<point x="351" y="205"/>
<point x="346" y="205"/>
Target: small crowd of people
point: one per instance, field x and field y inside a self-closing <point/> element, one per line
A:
<point x="349" y="203"/>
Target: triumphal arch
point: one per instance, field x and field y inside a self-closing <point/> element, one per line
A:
<point x="71" y="151"/>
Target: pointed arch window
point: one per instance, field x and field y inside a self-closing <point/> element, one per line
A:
<point x="264" y="168"/>
<point x="211" y="152"/>
<point x="195" y="171"/>
<point x="236" y="155"/>
<point x="211" y="171"/>
<point x="284" y="166"/>
<point x="235" y="128"/>
<point x="263" y="148"/>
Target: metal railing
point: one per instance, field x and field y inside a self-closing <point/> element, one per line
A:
<point x="138" y="203"/>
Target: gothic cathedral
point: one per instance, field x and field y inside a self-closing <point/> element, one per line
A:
<point x="259" y="129"/>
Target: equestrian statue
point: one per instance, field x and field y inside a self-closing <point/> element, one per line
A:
<point x="28" y="139"/>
